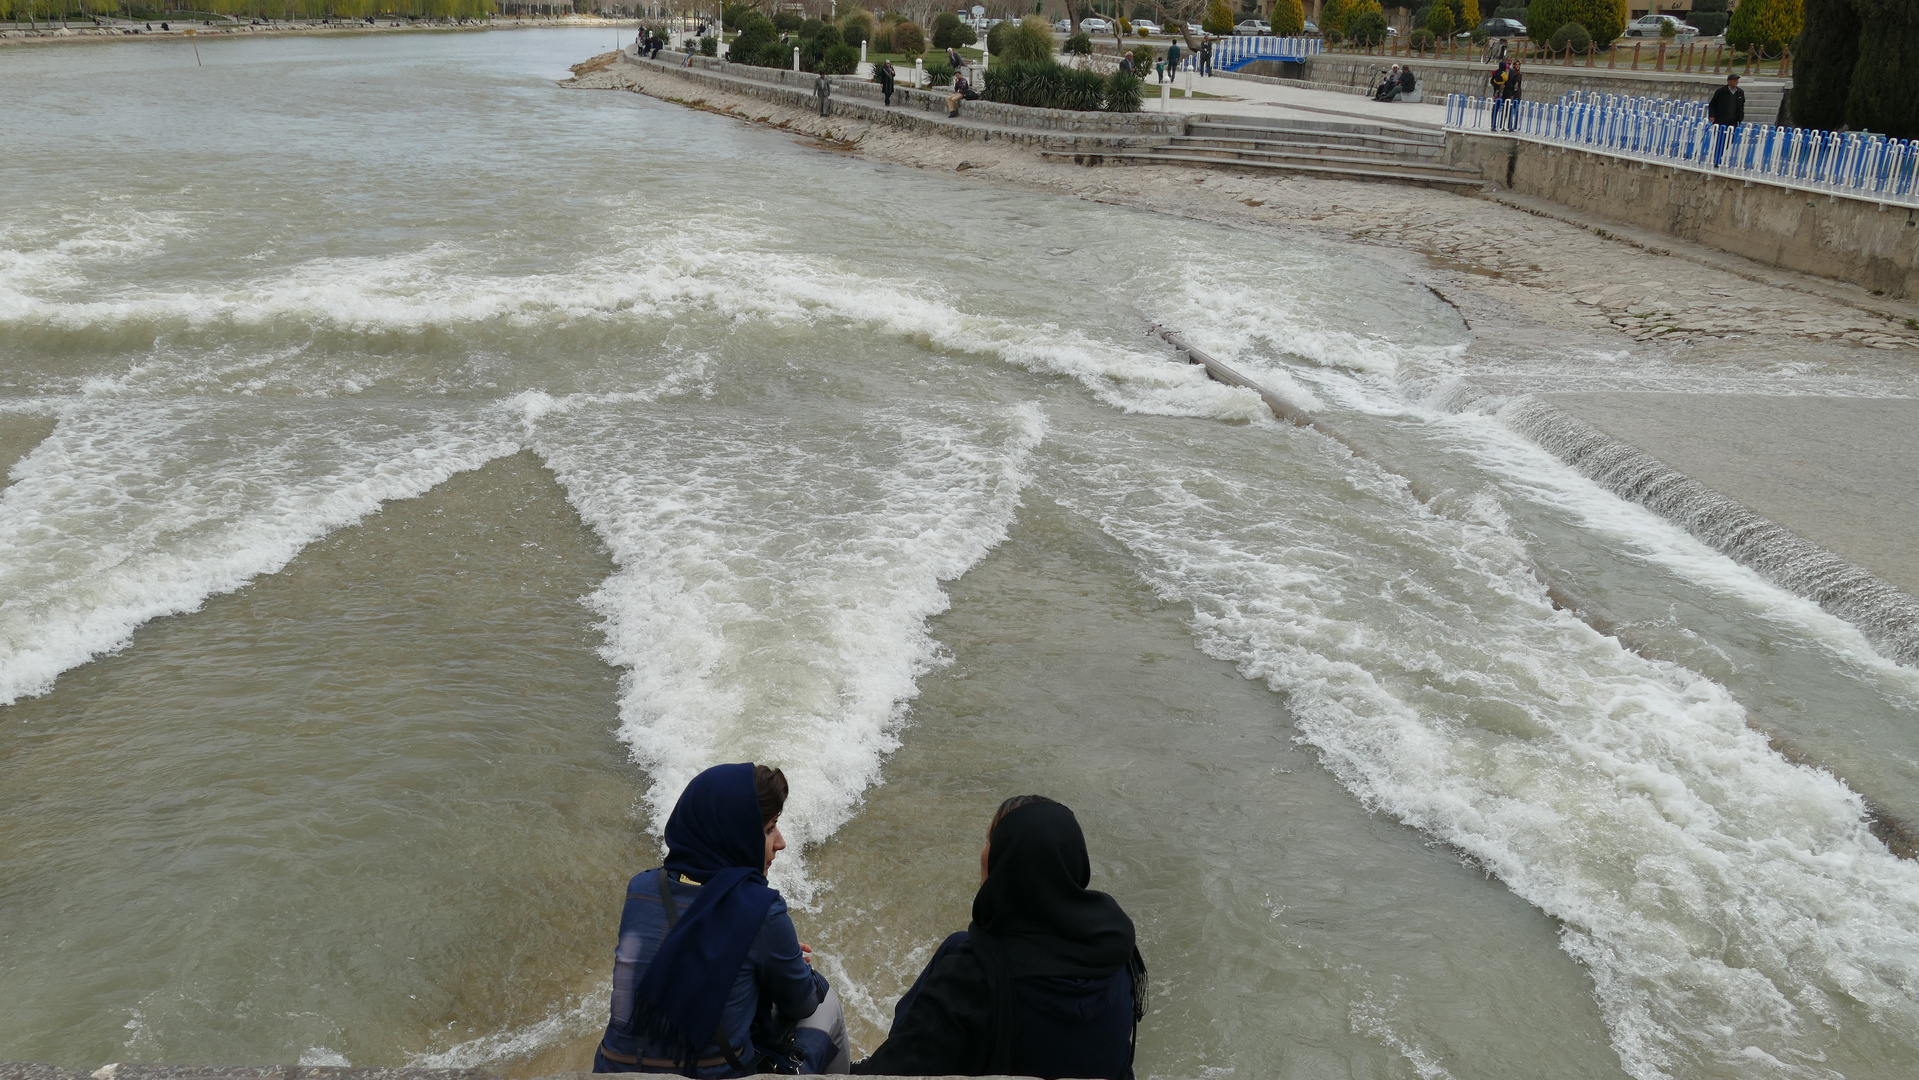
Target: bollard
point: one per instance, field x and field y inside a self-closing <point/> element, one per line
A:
<point x="1165" y="97"/>
<point x="919" y="72"/>
<point x="862" y="52"/>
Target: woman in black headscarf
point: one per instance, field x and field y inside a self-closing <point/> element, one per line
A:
<point x="1046" y="982"/>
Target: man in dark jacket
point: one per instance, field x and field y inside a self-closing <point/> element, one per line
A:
<point x="884" y="73"/>
<point x="1515" y="85"/>
<point x="1726" y="110"/>
<point x="1728" y="104"/>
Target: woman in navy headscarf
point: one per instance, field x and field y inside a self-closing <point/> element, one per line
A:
<point x="710" y="978"/>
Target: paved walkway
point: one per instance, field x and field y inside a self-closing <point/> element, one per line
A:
<point x="1246" y="97"/>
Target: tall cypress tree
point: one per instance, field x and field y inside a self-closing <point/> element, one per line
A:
<point x="1885" y="96"/>
<point x="1823" y="61"/>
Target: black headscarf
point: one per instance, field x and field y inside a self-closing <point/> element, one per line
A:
<point x="1035" y="904"/>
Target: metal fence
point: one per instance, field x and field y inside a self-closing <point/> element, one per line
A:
<point x="1848" y="162"/>
<point x="1653" y="106"/>
<point x="1233" y="53"/>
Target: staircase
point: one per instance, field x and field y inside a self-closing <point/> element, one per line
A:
<point x="1341" y="150"/>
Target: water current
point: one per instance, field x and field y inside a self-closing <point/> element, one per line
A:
<point x="416" y="471"/>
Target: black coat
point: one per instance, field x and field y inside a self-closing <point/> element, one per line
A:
<point x="1728" y="106"/>
<point x="1511" y="92"/>
<point x="946" y="1025"/>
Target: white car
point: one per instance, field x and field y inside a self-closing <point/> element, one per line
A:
<point x="1655" y="26"/>
<point x="1064" y="26"/>
<point x="1145" y="26"/>
<point x="1095" y="26"/>
<point x="1255" y="27"/>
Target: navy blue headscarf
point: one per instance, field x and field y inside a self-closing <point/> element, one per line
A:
<point x="715" y="836"/>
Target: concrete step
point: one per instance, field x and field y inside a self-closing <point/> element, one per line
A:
<point x="1399" y="153"/>
<point x="1376" y="162"/>
<point x="1410" y="132"/>
<point x="1148" y="157"/>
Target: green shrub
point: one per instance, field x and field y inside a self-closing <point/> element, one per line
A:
<point x="1289" y="18"/>
<point x="1125" y="27"/>
<point x="996" y="37"/>
<point x="856" y="26"/>
<point x="810" y="28"/>
<point x="1570" y="36"/>
<point x="1440" y="21"/>
<point x="1080" y="44"/>
<point x="1047" y="85"/>
<point x="1421" y="40"/>
<point x="710" y="45"/>
<point x="908" y="38"/>
<point x="841" y="59"/>
<point x="1219" y="18"/>
<point x="950" y="33"/>
<point x="1766" y="25"/>
<point x="1123" y="92"/>
<point x="1884" y="95"/>
<point x="1368" y="29"/>
<point x="757" y="39"/>
<point x="939" y="72"/>
<point x="1031" y="40"/>
<point x="787" y="21"/>
<point x="733" y="16"/>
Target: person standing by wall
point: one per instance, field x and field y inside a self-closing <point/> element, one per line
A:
<point x="884" y="73"/>
<point x="1515" y="82"/>
<point x="1206" y="57"/>
<point x="823" y="90"/>
<point x="1726" y="110"/>
<point x="1497" y="83"/>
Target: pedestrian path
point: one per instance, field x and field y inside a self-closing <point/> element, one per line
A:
<point x="1247" y="97"/>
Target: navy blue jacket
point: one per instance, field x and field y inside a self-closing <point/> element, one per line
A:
<point x="1063" y="1027"/>
<point x="774" y="976"/>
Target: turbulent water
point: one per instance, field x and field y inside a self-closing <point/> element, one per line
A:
<point x="418" y="471"/>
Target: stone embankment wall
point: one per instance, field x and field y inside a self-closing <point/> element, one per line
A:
<point x="860" y="99"/>
<point x="1872" y="244"/>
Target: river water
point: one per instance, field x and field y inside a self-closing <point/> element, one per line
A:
<point x="418" y="471"/>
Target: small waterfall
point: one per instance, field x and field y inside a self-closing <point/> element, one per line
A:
<point x="1886" y="614"/>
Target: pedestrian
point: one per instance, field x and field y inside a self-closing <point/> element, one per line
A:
<point x="1129" y="65"/>
<point x="955" y="61"/>
<point x="1726" y="110"/>
<point x="1172" y="61"/>
<point x="1497" y="82"/>
<point x="1159" y="70"/>
<point x="822" y="89"/>
<point x="1206" y="57"/>
<point x="1514" y="83"/>
<point x="884" y="73"/>
<point x="962" y="91"/>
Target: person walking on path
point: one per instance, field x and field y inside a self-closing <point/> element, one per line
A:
<point x="884" y="73"/>
<point x="1726" y="110"/>
<point x="1172" y="61"/>
<point x="1206" y="57"/>
<point x="822" y="89"/>
<point x="1514" y="84"/>
<point x="955" y="61"/>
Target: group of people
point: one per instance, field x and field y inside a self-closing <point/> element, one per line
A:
<point x="710" y="978"/>
<point x="1506" y="81"/>
<point x="1395" y="83"/>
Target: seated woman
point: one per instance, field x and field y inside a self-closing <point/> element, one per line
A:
<point x="709" y="978"/>
<point x="1046" y="982"/>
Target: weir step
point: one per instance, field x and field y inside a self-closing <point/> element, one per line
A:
<point x="1437" y="170"/>
<point x="1297" y="136"/>
<point x="1148" y="157"/>
<point x="1428" y="156"/>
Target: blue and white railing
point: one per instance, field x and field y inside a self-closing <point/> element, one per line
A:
<point x="1233" y="53"/>
<point x="1695" y="110"/>
<point x="1843" y="162"/>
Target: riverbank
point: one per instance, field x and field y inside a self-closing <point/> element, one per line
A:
<point x="119" y="30"/>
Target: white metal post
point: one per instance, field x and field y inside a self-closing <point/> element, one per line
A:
<point x="796" y="58"/>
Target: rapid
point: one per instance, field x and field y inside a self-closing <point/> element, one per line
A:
<point x="415" y="472"/>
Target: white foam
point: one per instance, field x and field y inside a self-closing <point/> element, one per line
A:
<point x="775" y="578"/>
<point x="135" y="508"/>
<point x="1732" y="907"/>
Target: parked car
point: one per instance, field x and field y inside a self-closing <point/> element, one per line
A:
<point x="1253" y="26"/>
<point x="1095" y="25"/>
<point x="1145" y="26"/>
<point x="1311" y="29"/>
<point x="1655" y="26"/>
<point x="1506" y="28"/>
<point x="1064" y="26"/>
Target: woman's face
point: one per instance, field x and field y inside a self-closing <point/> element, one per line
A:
<point x="775" y="843"/>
